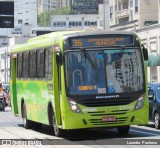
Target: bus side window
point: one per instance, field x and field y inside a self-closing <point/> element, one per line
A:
<point x="32" y="64"/>
<point x="145" y="53"/>
<point x="25" y="65"/>
<point x="48" y="64"/>
<point x="19" y="67"/>
<point x="40" y="63"/>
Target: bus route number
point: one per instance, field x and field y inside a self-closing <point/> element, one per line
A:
<point x="77" y="43"/>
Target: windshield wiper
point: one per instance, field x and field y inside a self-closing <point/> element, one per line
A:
<point x="89" y="58"/>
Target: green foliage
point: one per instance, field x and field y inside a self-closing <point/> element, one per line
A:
<point x="44" y="19"/>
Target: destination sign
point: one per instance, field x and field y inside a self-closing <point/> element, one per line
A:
<point x="101" y="41"/>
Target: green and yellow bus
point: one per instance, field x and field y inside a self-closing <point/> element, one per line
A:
<point x="80" y="80"/>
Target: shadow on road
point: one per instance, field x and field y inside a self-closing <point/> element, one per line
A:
<point x="94" y="134"/>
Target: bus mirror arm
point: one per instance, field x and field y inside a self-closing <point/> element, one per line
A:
<point x="59" y="58"/>
<point x="145" y="53"/>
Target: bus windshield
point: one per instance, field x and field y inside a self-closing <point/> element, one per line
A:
<point x="116" y="71"/>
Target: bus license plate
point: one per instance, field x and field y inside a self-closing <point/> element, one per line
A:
<point x="108" y="118"/>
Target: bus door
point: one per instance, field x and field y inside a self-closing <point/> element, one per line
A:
<point x="57" y="91"/>
<point x="13" y="75"/>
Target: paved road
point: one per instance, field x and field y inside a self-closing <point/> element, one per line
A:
<point x="11" y="127"/>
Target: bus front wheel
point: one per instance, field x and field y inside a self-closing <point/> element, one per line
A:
<point x="52" y="121"/>
<point x="27" y="123"/>
<point x="123" y="129"/>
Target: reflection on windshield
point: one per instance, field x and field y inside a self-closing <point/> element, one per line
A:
<point x="117" y="71"/>
<point x="82" y="78"/>
<point x="124" y="70"/>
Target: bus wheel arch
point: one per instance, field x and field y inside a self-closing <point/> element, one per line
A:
<point x="52" y="122"/>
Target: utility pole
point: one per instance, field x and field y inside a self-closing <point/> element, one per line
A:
<point x="105" y="14"/>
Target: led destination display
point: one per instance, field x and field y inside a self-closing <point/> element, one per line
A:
<point x="102" y="41"/>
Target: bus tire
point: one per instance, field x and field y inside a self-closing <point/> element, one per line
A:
<point x="27" y="123"/>
<point x="123" y="129"/>
<point x="57" y="131"/>
<point x="37" y="126"/>
<point x="157" y="120"/>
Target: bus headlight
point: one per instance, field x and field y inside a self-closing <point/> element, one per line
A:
<point x="74" y="106"/>
<point x="140" y="102"/>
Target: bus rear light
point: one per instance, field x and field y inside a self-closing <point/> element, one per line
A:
<point x="74" y="106"/>
<point x="140" y="102"/>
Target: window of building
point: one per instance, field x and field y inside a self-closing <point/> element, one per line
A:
<point x="136" y="5"/>
<point x="25" y="64"/>
<point x="32" y="64"/>
<point x="101" y="23"/>
<point x="59" y="24"/>
<point x="111" y="12"/>
<point x="87" y="23"/>
<point x="153" y="46"/>
<point x="20" y="21"/>
<point x="75" y="23"/>
<point x="153" y="72"/>
<point x="19" y="67"/>
<point x="40" y="63"/>
<point x="93" y="23"/>
<point x="54" y="24"/>
<point x="48" y="63"/>
<point x="131" y="3"/>
<point x="115" y="7"/>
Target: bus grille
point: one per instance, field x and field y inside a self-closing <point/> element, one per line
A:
<point x="112" y="113"/>
<point x="104" y="102"/>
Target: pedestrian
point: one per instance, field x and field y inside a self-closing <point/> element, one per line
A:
<point x="1" y="88"/>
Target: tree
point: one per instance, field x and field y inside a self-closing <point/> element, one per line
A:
<point x="44" y="18"/>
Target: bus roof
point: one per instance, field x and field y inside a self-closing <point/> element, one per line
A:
<point x="50" y="39"/>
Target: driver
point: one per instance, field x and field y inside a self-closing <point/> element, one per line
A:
<point x="1" y="88"/>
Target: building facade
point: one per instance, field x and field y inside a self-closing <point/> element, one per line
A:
<point x="51" y="5"/>
<point x="150" y="37"/>
<point x="132" y="14"/>
<point x="76" y="22"/>
<point x="25" y="17"/>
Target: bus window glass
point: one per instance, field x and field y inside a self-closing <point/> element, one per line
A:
<point x="124" y="70"/>
<point x="82" y="80"/>
<point x="25" y="65"/>
<point x="48" y="63"/>
<point x="32" y="64"/>
<point x="116" y="71"/>
<point x="19" y="63"/>
<point x="40" y="63"/>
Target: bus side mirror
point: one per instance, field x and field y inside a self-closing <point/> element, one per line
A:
<point x="145" y="53"/>
<point x="59" y="58"/>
